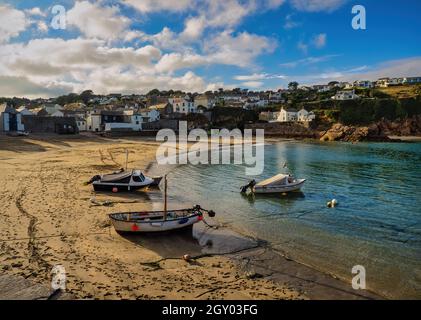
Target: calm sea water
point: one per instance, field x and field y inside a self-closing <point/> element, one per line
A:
<point x="377" y="223"/>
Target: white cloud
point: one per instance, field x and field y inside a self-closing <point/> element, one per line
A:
<point x="19" y="86"/>
<point x="290" y="23"/>
<point x="317" y="5"/>
<point x="96" y="21"/>
<point x="36" y="11"/>
<point x="175" y="61"/>
<point x="12" y="23"/>
<point x="258" y="76"/>
<point x="146" y="6"/>
<point x="253" y="84"/>
<point x="239" y="50"/>
<point x="319" y="41"/>
<point x="308" y="60"/>
<point x="193" y="28"/>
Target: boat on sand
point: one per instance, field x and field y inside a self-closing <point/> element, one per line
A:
<point x="123" y="181"/>
<point x="158" y="221"/>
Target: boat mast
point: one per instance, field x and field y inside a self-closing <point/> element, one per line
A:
<point x="165" y="198"/>
<point x="127" y="157"/>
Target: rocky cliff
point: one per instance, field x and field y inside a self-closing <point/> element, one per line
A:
<point x="379" y="131"/>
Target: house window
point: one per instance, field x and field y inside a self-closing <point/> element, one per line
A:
<point x="137" y="122"/>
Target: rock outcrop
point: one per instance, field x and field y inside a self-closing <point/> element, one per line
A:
<point x="340" y="132"/>
<point x="379" y="131"/>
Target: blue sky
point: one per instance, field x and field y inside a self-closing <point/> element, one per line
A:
<point x="133" y="46"/>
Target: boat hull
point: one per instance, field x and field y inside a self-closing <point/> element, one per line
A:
<point x="280" y="189"/>
<point x="120" y="188"/>
<point x="154" y="226"/>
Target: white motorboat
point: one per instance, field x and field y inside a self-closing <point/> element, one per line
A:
<point x="123" y="181"/>
<point x="281" y="183"/>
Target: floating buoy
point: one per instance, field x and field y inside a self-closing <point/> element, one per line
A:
<point x="332" y="204"/>
<point x="115" y="190"/>
<point x="284" y="194"/>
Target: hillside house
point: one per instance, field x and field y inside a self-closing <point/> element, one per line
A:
<point x="182" y="104"/>
<point x="304" y="116"/>
<point x="366" y="84"/>
<point x="287" y="115"/>
<point x="24" y="111"/>
<point x="345" y="95"/>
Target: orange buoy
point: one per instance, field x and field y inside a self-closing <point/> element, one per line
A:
<point x="115" y="189"/>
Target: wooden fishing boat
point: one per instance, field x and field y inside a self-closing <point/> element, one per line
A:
<point x="281" y="183"/>
<point x="157" y="221"/>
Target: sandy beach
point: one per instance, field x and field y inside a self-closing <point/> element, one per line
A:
<point x="48" y="218"/>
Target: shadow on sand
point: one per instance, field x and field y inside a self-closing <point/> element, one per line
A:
<point x="195" y="241"/>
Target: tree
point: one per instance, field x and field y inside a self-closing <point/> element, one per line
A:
<point x="86" y="96"/>
<point x="293" y="85"/>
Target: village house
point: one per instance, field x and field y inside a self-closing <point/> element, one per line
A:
<point x="24" y="111"/>
<point x="276" y="97"/>
<point x="411" y="80"/>
<point x="203" y="102"/>
<point x="51" y="108"/>
<point x="387" y="82"/>
<point x="182" y="104"/>
<point x="10" y="119"/>
<point x="366" y="84"/>
<point x="305" y="116"/>
<point x="345" y="95"/>
<point x="97" y="120"/>
<point x="320" y="88"/>
<point x="163" y="109"/>
<point x="287" y="115"/>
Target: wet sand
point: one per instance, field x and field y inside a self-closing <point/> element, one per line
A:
<point x="48" y="218"/>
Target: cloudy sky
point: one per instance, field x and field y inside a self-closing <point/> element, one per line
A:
<point x="133" y="46"/>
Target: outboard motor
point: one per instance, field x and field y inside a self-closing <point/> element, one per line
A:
<point x="251" y="185"/>
<point x="93" y="179"/>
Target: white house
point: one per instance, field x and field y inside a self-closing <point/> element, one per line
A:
<point x="10" y="119"/>
<point x="182" y="105"/>
<point x="387" y="82"/>
<point x="322" y="88"/>
<point x="305" y="116"/>
<point x="150" y="115"/>
<point x="24" y="111"/>
<point x="82" y="124"/>
<point x="411" y="80"/>
<point x="363" y="84"/>
<point x="134" y="118"/>
<point x="345" y="95"/>
<point x="287" y="115"/>
<point x="52" y="108"/>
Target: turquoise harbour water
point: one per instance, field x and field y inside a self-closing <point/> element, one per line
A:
<point x="377" y="223"/>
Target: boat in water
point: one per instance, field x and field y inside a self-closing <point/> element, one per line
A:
<point x="123" y="181"/>
<point x="281" y="183"/>
<point x="158" y="221"/>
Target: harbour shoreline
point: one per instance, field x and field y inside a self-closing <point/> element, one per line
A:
<point x="49" y="219"/>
